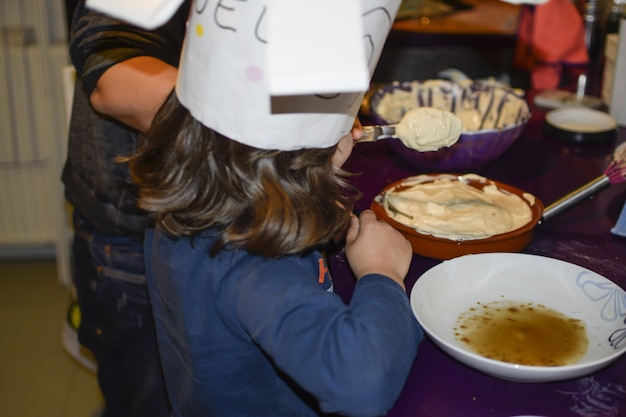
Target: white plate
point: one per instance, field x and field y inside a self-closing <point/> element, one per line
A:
<point x="445" y="291"/>
<point x="560" y="98"/>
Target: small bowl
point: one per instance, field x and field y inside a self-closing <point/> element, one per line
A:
<point x="449" y="289"/>
<point x="581" y="125"/>
<point x="493" y="118"/>
<point x="442" y="248"/>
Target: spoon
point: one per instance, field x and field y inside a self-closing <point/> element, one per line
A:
<point x="423" y="129"/>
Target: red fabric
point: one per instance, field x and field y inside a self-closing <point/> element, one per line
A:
<point x="550" y="35"/>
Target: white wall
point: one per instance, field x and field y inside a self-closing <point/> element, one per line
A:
<point x="33" y="125"/>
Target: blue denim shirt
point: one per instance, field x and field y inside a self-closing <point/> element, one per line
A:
<point x="243" y="335"/>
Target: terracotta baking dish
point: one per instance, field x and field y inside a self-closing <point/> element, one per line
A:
<point x="440" y="248"/>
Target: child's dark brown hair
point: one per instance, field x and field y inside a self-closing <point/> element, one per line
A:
<point x="269" y="202"/>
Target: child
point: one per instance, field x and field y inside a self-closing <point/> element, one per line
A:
<point x="246" y="188"/>
<point x="247" y="325"/>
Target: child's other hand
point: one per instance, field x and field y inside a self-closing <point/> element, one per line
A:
<point x="373" y="246"/>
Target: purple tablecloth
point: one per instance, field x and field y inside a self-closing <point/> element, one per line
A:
<point x="439" y="386"/>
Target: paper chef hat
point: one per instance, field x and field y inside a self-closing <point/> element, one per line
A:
<point x="273" y="74"/>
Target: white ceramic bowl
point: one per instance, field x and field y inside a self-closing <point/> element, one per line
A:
<point x="451" y="288"/>
<point x="581" y="125"/>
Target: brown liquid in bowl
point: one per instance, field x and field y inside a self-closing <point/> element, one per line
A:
<point x="523" y="334"/>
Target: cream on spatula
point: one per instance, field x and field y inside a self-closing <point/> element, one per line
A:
<point x="424" y="129"/>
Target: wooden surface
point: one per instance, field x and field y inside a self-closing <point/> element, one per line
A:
<point x="487" y="17"/>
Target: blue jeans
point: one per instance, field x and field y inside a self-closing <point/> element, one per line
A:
<point x="116" y="322"/>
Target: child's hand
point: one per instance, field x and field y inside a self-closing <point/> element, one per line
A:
<point x="373" y="246"/>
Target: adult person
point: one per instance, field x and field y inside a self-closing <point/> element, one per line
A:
<point x="123" y="75"/>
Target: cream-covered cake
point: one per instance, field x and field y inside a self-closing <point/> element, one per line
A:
<point x="453" y="207"/>
<point x="478" y="108"/>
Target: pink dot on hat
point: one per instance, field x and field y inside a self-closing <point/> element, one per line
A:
<point x="254" y="73"/>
